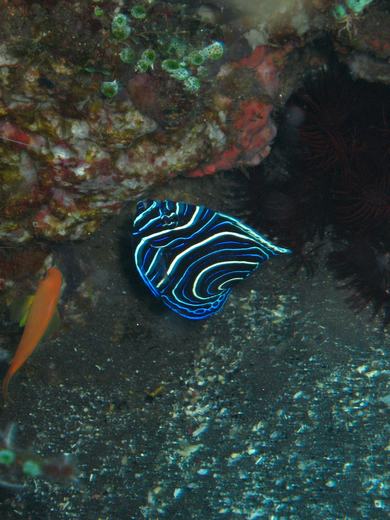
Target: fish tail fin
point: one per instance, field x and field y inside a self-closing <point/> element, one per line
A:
<point x="5" y="385"/>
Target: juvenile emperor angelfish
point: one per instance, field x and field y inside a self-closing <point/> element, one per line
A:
<point x="191" y="256"/>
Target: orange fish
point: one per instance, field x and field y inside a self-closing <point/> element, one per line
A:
<point x="42" y="310"/>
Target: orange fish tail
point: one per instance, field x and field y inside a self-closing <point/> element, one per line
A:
<point x="5" y="384"/>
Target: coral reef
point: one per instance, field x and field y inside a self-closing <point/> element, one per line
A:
<point x="85" y="122"/>
<point x="252" y="130"/>
<point x="18" y="263"/>
<point x="265" y="21"/>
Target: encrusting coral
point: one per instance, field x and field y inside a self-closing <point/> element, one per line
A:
<point x="85" y="120"/>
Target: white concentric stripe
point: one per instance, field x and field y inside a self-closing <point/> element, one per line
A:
<point x="238" y="279"/>
<point x="255" y="235"/>
<point x="148" y="223"/>
<point x="212" y="266"/>
<point x="183" y="277"/>
<point x="154" y="219"/>
<point x="200" y="227"/>
<point x="203" y="242"/>
<point x="177" y="295"/>
<point x="144" y="241"/>
<point x="235" y="276"/>
<point x="241" y="252"/>
<point x="155" y="258"/>
<point x="144" y="212"/>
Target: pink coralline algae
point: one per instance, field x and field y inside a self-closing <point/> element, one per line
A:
<point x="72" y="152"/>
<point x="249" y="123"/>
<point x="254" y="131"/>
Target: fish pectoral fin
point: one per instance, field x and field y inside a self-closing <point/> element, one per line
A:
<point x="19" y="309"/>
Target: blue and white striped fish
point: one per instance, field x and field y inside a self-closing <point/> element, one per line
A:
<point x="191" y="256"/>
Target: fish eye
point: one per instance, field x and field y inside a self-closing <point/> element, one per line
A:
<point x="170" y="219"/>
